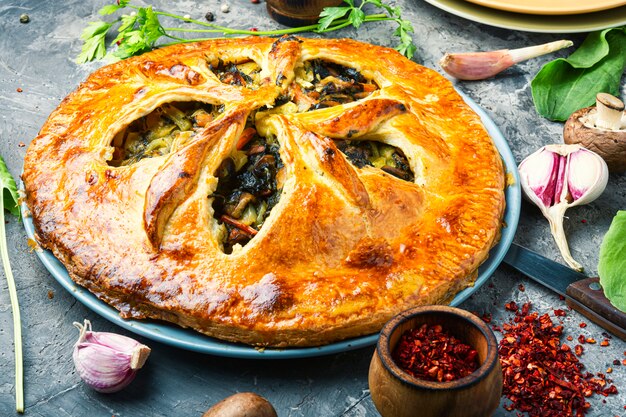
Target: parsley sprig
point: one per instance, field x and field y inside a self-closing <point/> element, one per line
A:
<point x="139" y="31"/>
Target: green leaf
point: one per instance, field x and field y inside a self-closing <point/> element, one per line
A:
<point x="112" y="8"/>
<point x="93" y="36"/>
<point x="612" y="262"/>
<point x="9" y="190"/>
<point x="565" y="85"/>
<point x="357" y="16"/>
<point x="128" y="24"/>
<point x="329" y="15"/>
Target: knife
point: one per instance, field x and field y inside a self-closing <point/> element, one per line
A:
<point x="581" y="293"/>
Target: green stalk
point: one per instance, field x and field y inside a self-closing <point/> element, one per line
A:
<point x="15" y="309"/>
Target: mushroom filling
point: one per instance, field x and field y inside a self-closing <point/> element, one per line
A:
<point x="320" y="84"/>
<point x="386" y="157"/>
<point x="245" y="74"/>
<point x="249" y="186"/>
<point x="167" y="128"/>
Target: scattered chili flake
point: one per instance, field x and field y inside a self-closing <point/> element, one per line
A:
<point x="609" y="370"/>
<point x="511" y="306"/>
<point x="561" y="297"/>
<point x="521" y="287"/>
<point x="541" y="376"/>
<point x="432" y="354"/>
<point x="19" y="90"/>
<point x="50" y="294"/>
<point x="582" y="325"/>
<point x="254" y="29"/>
<point x="616" y="362"/>
<point x="591" y="340"/>
<point x="583" y="221"/>
<point x="21" y="144"/>
<point x="578" y="350"/>
<point x="559" y="313"/>
<point x="624" y="362"/>
<point x="255" y="1"/>
<point x="605" y="342"/>
<point x="582" y="340"/>
<point x="569" y="338"/>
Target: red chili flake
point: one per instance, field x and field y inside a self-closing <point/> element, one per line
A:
<point x="578" y="350"/>
<point x="591" y="340"/>
<point x="605" y="342"/>
<point x="559" y="313"/>
<point x="255" y="1"/>
<point x="582" y="325"/>
<point x="254" y="29"/>
<point x="582" y="340"/>
<point x="541" y="376"/>
<point x="583" y="221"/>
<point x="521" y="287"/>
<point x="432" y="354"/>
<point x="609" y="370"/>
<point x="511" y="306"/>
<point x="616" y="362"/>
<point x="624" y="362"/>
<point x="569" y="338"/>
<point x="19" y="90"/>
<point x="21" y="144"/>
<point x="561" y="297"/>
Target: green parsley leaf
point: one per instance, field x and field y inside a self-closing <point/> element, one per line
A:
<point x="357" y="16"/>
<point x="329" y="15"/>
<point x="112" y="8"/>
<point x="94" y="47"/>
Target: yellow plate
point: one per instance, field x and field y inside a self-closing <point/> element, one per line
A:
<point x="551" y="7"/>
<point x="574" y="23"/>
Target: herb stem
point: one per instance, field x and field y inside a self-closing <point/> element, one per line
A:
<point x="15" y="309"/>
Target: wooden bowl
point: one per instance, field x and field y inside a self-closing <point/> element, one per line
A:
<point x="398" y="394"/>
<point x="298" y="12"/>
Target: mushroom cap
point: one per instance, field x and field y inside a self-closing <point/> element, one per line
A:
<point x="609" y="144"/>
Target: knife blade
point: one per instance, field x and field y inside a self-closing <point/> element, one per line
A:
<point x="582" y="293"/>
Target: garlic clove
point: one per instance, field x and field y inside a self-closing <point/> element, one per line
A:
<point x="540" y="175"/>
<point x="587" y="176"/>
<point x="481" y="65"/>
<point x="107" y="362"/>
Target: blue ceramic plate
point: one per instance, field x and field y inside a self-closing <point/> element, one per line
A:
<point x="191" y="340"/>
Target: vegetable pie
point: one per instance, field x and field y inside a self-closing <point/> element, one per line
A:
<point x="274" y="192"/>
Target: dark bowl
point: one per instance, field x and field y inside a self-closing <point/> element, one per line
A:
<point x="399" y="394"/>
<point x="298" y="12"/>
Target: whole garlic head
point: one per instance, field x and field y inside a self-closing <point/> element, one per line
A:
<point x="557" y="177"/>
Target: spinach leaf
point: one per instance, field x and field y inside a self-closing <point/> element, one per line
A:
<point x="612" y="263"/>
<point x="9" y="190"/>
<point x="565" y="85"/>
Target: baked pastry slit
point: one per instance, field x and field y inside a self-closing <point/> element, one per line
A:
<point x="319" y="84"/>
<point x="168" y="128"/>
<point x="379" y="155"/>
<point x="243" y="74"/>
<point x="250" y="182"/>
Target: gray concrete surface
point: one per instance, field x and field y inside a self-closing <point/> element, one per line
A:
<point x="38" y="58"/>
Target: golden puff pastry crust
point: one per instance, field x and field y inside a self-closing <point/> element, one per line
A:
<point x="351" y="239"/>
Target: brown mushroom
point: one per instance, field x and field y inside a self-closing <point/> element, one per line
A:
<point x="602" y="129"/>
<point x="243" y="404"/>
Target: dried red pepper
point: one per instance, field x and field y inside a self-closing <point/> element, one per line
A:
<point x="432" y="354"/>
<point x="541" y="375"/>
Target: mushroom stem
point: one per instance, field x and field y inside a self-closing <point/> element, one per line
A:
<point x="609" y="112"/>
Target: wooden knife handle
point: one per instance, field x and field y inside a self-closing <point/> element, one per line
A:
<point x="587" y="297"/>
